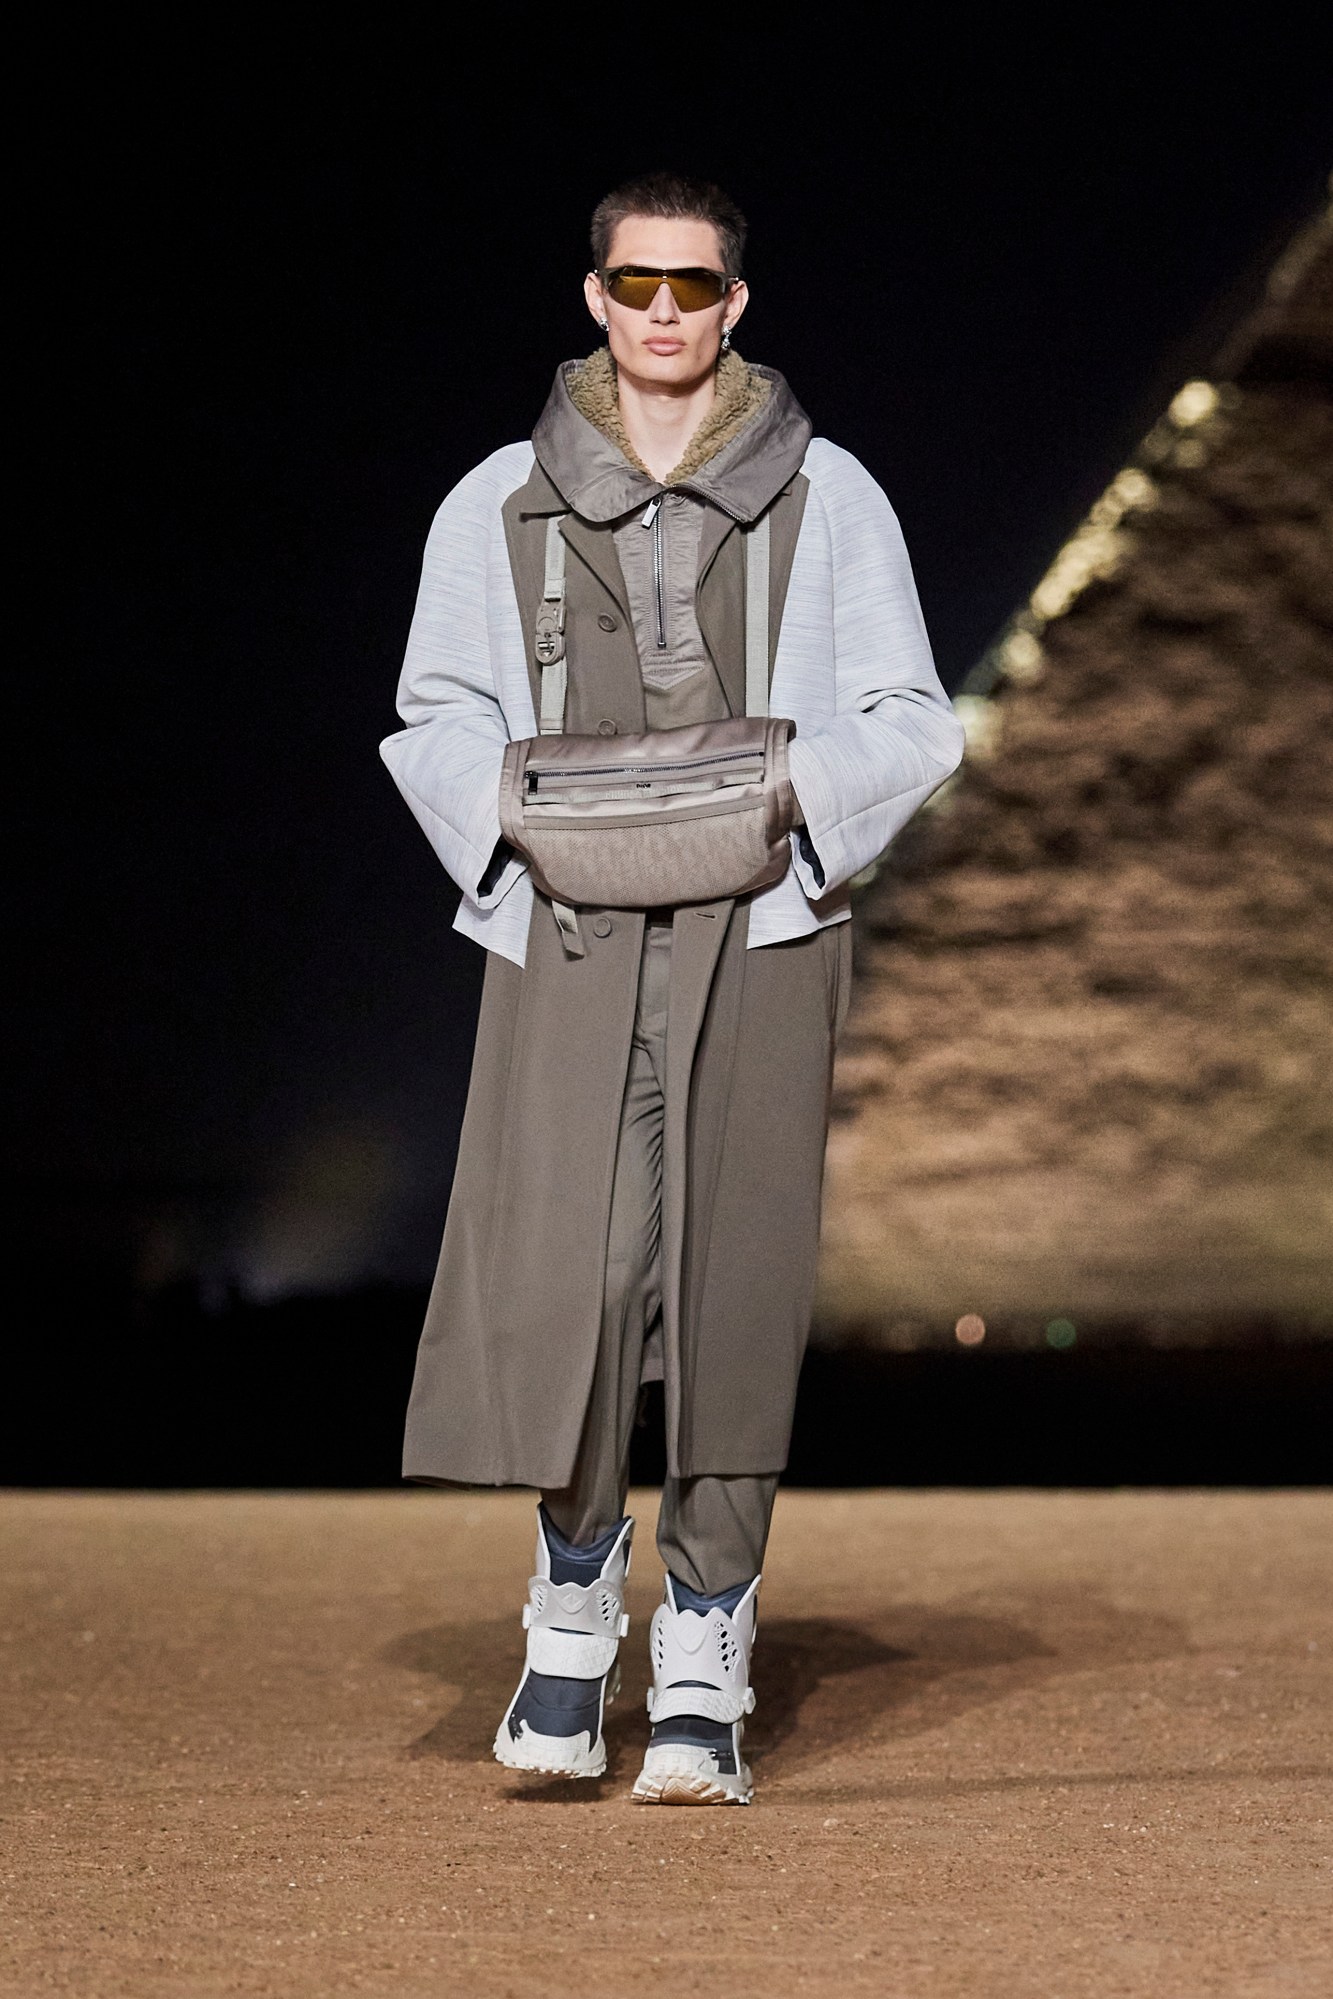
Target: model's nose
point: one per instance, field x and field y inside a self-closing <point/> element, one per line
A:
<point x="664" y="307"/>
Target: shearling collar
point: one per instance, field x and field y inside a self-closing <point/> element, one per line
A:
<point x="738" y="394"/>
<point x="747" y="448"/>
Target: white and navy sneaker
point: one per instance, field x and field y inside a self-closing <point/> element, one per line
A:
<point x="700" y="1695"/>
<point x="575" y="1619"/>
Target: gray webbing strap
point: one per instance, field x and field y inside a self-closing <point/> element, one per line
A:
<point x="756" y="618"/>
<point x="550" y="650"/>
<point x="550" y="643"/>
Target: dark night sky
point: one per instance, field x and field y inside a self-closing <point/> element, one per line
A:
<point x="283" y="295"/>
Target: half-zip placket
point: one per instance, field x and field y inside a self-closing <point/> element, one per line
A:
<point x="652" y="519"/>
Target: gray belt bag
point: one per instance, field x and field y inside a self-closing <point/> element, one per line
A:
<point x="646" y="821"/>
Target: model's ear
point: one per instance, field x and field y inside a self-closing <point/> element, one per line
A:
<point x="737" y="300"/>
<point x="596" y="298"/>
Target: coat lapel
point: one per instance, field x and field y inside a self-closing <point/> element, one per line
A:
<point x="787" y="514"/>
<point x="595" y="545"/>
<point x="592" y="541"/>
<point x="720" y="591"/>
<point x="719" y="598"/>
<point x="538" y="495"/>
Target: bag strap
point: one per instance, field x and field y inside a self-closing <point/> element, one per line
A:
<point x="550" y="640"/>
<point x="549" y="646"/>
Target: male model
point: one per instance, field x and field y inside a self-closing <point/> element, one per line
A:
<point x="638" y="1182"/>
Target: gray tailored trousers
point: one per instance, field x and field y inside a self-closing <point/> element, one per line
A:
<point x="711" y="1531"/>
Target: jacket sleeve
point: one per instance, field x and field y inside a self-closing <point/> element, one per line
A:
<point x="446" y="761"/>
<point x="893" y="738"/>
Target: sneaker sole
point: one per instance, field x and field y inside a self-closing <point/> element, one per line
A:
<point x="549" y="1769"/>
<point x="508" y="1753"/>
<point x="697" y="1790"/>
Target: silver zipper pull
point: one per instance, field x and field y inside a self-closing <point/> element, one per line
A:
<point x="650" y="512"/>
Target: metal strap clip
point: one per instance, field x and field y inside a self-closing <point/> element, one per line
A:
<point x="549" y="644"/>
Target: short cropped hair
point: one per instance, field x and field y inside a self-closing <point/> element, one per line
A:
<point x="677" y="198"/>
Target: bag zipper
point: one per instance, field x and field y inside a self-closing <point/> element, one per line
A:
<point x="652" y="518"/>
<point x="577" y="775"/>
<point x="684" y="763"/>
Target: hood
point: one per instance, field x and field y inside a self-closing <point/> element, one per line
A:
<point x="751" y="443"/>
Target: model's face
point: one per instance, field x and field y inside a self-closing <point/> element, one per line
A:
<point x="664" y="345"/>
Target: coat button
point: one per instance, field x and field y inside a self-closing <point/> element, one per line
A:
<point x="601" y="926"/>
<point x="606" y="728"/>
<point x="607" y="622"/>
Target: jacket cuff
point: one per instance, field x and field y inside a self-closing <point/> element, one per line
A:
<point x="814" y="843"/>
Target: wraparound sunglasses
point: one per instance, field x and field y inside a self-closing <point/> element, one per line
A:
<point x="636" y="286"/>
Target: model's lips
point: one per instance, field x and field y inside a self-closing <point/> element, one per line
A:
<point x="664" y="346"/>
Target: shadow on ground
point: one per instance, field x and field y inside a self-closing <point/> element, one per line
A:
<point x="823" y="1686"/>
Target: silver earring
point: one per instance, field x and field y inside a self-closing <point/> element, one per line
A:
<point x="726" y="340"/>
<point x="602" y="323"/>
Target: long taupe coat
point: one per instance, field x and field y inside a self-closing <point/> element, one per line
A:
<point x="507" y="1354"/>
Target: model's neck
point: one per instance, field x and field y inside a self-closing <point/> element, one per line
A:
<point x="660" y="421"/>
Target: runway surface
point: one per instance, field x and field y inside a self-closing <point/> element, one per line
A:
<point x="1047" y="1744"/>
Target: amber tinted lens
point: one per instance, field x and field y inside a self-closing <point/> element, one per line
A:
<point x="692" y="290"/>
<point x="632" y="288"/>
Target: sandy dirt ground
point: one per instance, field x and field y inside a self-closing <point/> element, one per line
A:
<point x="1048" y="1744"/>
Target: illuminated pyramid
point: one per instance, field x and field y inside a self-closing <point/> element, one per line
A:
<point x="1089" y="1069"/>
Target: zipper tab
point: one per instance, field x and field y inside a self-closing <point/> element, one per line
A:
<point x="650" y="512"/>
